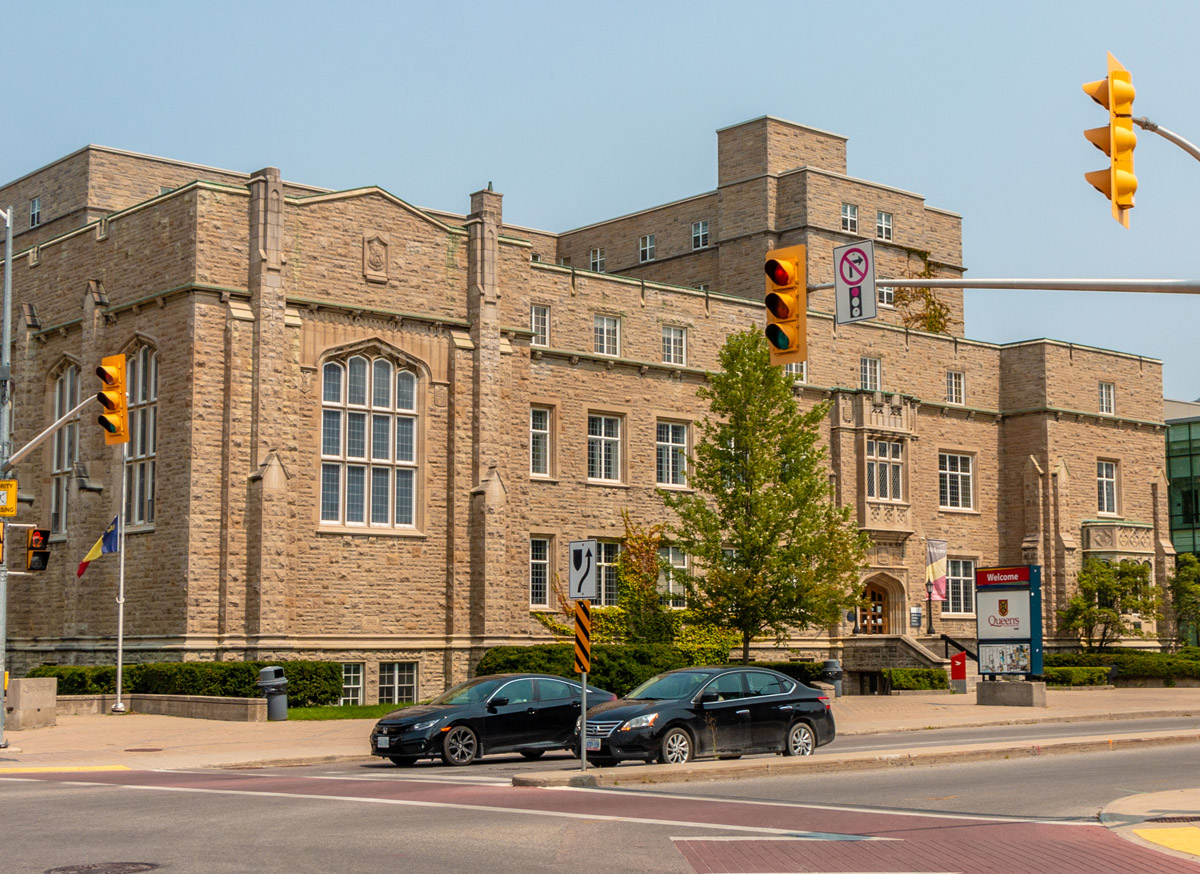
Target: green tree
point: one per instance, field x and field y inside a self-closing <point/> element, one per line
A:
<point x="1101" y="611"/>
<point x="647" y="618"/>
<point x="920" y="308"/>
<point x="1184" y="590"/>
<point x="773" y="552"/>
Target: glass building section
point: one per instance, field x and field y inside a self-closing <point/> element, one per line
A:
<point x="1183" y="471"/>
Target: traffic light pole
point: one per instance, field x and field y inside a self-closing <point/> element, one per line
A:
<point x="1146" y="124"/>
<point x="1151" y="286"/>
<point x="5" y="445"/>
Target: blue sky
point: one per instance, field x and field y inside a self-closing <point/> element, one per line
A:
<point x="579" y="112"/>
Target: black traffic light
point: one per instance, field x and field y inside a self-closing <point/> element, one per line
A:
<point x="37" y="550"/>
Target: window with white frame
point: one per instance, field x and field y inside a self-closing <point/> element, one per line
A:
<point x="885" y="470"/>
<point x="646" y="248"/>
<point x="66" y="447"/>
<point x="606" y="570"/>
<point x="1108" y="393"/>
<point x="672" y="560"/>
<point x="671" y="454"/>
<point x="535" y="258"/>
<point x="539" y="441"/>
<point x="700" y="234"/>
<point x="955" y="387"/>
<point x="539" y="323"/>
<point x="1106" y="487"/>
<point x="604" y="448"/>
<point x="141" y="381"/>
<point x="596" y="259"/>
<point x="955" y="481"/>
<point x="869" y="373"/>
<point x="883" y="225"/>
<point x="960" y="586"/>
<point x="886" y="295"/>
<point x="564" y="261"/>
<point x="674" y="344"/>
<point x="368" y="443"/>
<point x="703" y="286"/>
<point x="850" y="218"/>
<point x="352" y="684"/>
<point x="798" y="369"/>
<point x="397" y="682"/>
<point x="35" y="212"/>
<point x="607" y="335"/>
<point x="539" y="571"/>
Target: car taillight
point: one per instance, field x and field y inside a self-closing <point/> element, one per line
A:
<point x="824" y="699"/>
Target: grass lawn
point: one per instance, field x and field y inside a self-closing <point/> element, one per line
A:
<point x="352" y="711"/>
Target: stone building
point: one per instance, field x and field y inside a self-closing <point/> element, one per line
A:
<point x="366" y="432"/>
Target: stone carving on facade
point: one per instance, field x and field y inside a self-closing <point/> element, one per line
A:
<point x="375" y="257"/>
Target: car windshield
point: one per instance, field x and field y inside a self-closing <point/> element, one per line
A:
<point x="469" y="692"/>
<point x="676" y="685"/>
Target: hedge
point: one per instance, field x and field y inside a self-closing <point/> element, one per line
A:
<point x="918" y="679"/>
<point x="1130" y="665"/>
<point x="1075" y="676"/>
<point x="308" y="683"/>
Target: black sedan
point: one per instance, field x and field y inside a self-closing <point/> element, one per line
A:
<point x="500" y="713"/>
<point x="714" y="711"/>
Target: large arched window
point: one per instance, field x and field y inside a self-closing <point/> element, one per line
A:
<point x="368" y="443"/>
<point x="141" y="379"/>
<point x="66" y="447"/>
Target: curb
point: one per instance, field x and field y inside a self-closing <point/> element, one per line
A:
<point x="1085" y="717"/>
<point x="624" y="775"/>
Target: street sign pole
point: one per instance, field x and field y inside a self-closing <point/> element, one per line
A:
<point x="583" y="664"/>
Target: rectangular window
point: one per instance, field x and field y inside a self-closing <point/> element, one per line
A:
<point x="607" y="335"/>
<point x="672" y="559"/>
<point x="646" y="248"/>
<point x="381" y="495"/>
<point x="565" y="261"/>
<point x="397" y="682"/>
<point x="35" y="212"/>
<point x="700" y="234"/>
<point x="850" y="218"/>
<point x="331" y="492"/>
<point x="798" y="370"/>
<point x="1106" y="487"/>
<point x="352" y="684"/>
<point x="596" y="259"/>
<point x="674" y="344"/>
<point x="539" y="323"/>
<point x="886" y="295"/>
<point x="960" y="586"/>
<point x="66" y="448"/>
<point x="1108" y="393"/>
<point x="885" y="465"/>
<point x="539" y="441"/>
<point x="604" y="448"/>
<point x="606" y="567"/>
<point x="405" y="497"/>
<point x="141" y="381"/>
<point x="955" y="387"/>
<point x="671" y="454"/>
<point x="539" y="571"/>
<point x="869" y="370"/>
<point x="883" y="225"/>
<point x="955" y="487"/>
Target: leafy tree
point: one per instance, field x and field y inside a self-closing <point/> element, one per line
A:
<point x="647" y="618"/>
<point x="1101" y="611"/>
<point x="920" y="308"/>
<point x="773" y="552"/>
<point x="1184" y="589"/>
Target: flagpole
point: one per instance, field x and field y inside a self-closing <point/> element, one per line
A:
<point x="119" y="707"/>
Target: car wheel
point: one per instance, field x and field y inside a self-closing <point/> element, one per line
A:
<point x="532" y="754"/>
<point x="460" y="746"/>
<point x="800" y="740"/>
<point x="676" y="747"/>
<point x="403" y="761"/>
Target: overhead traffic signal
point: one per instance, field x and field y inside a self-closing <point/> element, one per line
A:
<point x="37" y="549"/>
<point x="1117" y="140"/>
<point x="115" y="418"/>
<point x="786" y="302"/>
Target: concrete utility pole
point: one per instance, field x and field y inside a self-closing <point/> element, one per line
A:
<point x="5" y="449"/>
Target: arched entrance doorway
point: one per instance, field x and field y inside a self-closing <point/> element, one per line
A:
<point x="873" y="618"/>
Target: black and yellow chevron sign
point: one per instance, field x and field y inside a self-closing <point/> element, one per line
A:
<point x="583" y="636"/>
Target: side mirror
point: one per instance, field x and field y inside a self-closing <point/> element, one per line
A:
<point x="707" y="697"/>
<point x="499" y="701"/>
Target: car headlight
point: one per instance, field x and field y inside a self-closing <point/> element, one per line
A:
<point x="428" y="723"/>
<point x="578" y="723"/>
<point x="644" y="721"/>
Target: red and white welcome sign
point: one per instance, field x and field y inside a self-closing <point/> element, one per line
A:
<point x="1002" y="576"/>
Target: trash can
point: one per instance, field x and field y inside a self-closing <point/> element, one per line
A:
<point x="273" y="685"/>
<point x="831" y="671"/>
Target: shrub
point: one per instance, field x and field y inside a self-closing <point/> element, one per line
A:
<point x="1131" y="665"/>
<point x="1076" y="676"/>
<point x="805" y="672"/>
<point x="918" y="679"/>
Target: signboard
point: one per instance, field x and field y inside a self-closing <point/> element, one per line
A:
<point x="583" y="580"/>
<point x="854" y="282"/>
<point x="1008" y="619"/>
<point x="8" y="497"/>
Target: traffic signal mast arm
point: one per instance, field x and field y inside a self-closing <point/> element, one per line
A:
<point x="1147" y="124"/>
<point x="1153" y="286"/>
<point x="37" y="441"/>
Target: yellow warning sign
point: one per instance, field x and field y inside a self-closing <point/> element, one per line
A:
<point x="8" y="497"/>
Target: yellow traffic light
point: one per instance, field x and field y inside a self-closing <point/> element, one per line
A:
<point x="115" y="419"/>
<point x="786" y="303"/>
<point x="1117" y="140"/>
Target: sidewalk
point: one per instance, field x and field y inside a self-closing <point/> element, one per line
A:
<point x="141" y="741"/>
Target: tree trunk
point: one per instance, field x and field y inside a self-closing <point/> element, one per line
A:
<point x="745" y="647"/>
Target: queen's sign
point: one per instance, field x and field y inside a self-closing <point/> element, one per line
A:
<point x="1008" y="619"/>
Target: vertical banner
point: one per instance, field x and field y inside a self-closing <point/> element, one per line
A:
<point x="583" y="636"/>
<point x="935" y="567"/>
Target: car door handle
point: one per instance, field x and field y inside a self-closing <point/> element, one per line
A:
<point x="531" y="710"/>
<point x="742" y="712"/>
<point x="785" y="706"/>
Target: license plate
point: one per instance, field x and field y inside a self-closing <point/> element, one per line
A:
<point x="381" y="743"/>
<point x="593" y="744"/>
